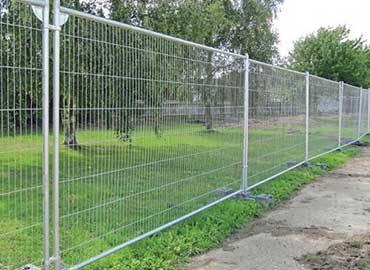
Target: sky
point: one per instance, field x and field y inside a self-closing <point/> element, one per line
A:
<point x="297" y="18"/>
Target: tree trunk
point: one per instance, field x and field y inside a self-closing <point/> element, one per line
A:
<point x="222" y="108"/>
<point x="157" y="121"/>
<point x="69" y="122"/>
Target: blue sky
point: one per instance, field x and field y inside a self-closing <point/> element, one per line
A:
<point x="298" y="18"/>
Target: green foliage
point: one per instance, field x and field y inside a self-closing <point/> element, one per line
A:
<point x="19" y="87"/>
<point x="330" y="53"/>
<point x="253" y="32"/>
<point x="237" y="26"/>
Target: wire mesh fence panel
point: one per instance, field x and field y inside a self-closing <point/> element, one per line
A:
<point x="152" y="130"/>
<point x="364" y="113"/>
<point x="276" y="120"/>
<point x="351" y="107"/>
<point x="323" y="115"/>
<point x="20" y="136"/>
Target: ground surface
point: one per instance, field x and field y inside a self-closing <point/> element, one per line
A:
<point x="326" y="226"/>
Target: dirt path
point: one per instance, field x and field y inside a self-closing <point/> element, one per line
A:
<point x="326" y="226"/>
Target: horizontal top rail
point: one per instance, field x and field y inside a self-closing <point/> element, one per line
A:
<point x="144" y="31"/>
<point x="324" y="79"/>
<point x="277" y="67"/>
<point x="39" y="3"/>
<point x="350" y="85"/>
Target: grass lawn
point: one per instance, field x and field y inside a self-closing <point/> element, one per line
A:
<point x="112" y="191"/>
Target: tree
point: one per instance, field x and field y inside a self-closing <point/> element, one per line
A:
<point x="253" y="32"/>
<point x="331" y="54"/>
<point x="20" y="83"/>
<point x="184" y="19"/>
<point x="130" y="79"/>
<point x="235" y="26"/>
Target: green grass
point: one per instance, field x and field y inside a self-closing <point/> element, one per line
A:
<point x="105" y="188"/>
<point x="174" y="247"/>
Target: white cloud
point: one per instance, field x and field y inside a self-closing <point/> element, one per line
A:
<point x="301" y="17"/>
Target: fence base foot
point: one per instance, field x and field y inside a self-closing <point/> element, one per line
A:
<point x="361" y="144"/>
<point x="30" y="267"/>
<point x="323" y="166"/>
<point x="265" y="198"/>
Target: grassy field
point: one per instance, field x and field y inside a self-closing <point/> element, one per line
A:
<point x="112" y="191"/>
<point x="169" y="250"/>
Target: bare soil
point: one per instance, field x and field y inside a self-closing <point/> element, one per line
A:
<point x="352" y="254"/>
<point x="325" y="227"/>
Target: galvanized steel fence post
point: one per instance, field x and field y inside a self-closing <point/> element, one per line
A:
<point x="245" y="125"/>
<point x="56" y="105"/>
<point x="359" y="115"/>
<point x="45" y="132"/>
<point x="340" y="114"/>
<point x="307" y="116"/>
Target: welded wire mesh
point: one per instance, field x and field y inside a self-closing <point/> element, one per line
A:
<point x="152" y="131"/>
<point x="323" y="115"/>
<point x="351" y="116"/>
<point x="276" y="120"/>
<point x="20" y="136"/>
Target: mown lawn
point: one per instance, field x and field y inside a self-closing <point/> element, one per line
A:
<point x="172" y="248"/>
<point x="112" y="191"/>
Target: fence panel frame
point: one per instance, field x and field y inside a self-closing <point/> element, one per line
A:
<point x="244" y="185"/>
<point x="54" y="210"/>
<point x="45" y="7"/>
<point x="108" y="22"/>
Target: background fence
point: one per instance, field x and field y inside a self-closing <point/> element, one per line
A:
<point x="153" y="130"/>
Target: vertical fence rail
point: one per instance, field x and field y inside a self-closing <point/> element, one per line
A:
<point x="155" y="130"/>
<point x="56" y="130"/>
<point x="340" y="115"/>
<point x="23" y="135"/>
<point x="245" y="126"/>
<point x="307" y="117"/>
<point x="359" y="114"/>
<point x="45" y="131"/>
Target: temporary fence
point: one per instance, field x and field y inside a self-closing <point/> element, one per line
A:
<point x="148" y="130"/>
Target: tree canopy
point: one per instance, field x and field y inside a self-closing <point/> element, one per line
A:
<point x="331" y="53"/>
<point x="240" y="26"/>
